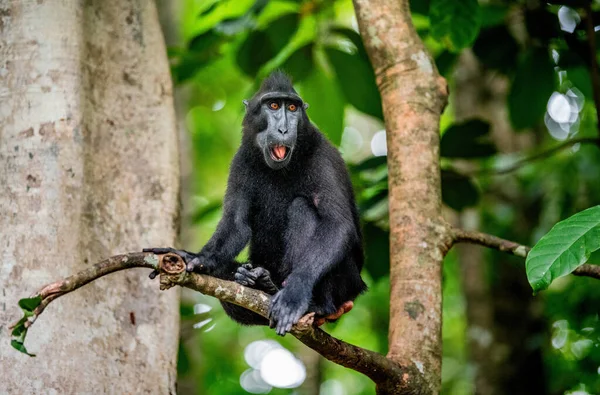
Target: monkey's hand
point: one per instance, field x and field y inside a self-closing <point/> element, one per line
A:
<point x="193" y="262"/>
<point x="255" y="277"/>
<point x="287" y="307"/>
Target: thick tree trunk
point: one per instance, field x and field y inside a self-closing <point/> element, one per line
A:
<point x="413" y="96"/>
<point x="88" y="152"/>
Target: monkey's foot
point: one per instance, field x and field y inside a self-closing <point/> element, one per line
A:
<point x="255" y="277"/>
<point x="344" y="308"/>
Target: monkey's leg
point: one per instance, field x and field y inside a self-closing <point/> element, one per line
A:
<point x="256" y="277"/>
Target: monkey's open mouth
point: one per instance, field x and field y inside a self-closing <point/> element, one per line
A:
<point x="279" y="152"/>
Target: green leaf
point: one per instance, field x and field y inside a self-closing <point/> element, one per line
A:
<point x="29" y="304"/>
<point x="493" y="14"/>
<point x="326" y="103"/>
<point x="531" y="88"/>
<point x="458" y="191"/>
<point x="262" y="45"/>
<point x="469" y="139"/>
<point x="354" y="37"/>
<point x="206" y="210"/>
<point x="300" y="64"/>
<point x="455" y="23"/>
<point x="20" y="347"/>
<point x="357" y="80"/>
<point x="567" y="246"/>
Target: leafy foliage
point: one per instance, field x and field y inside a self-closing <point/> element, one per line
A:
<point x="567" y="246"/>
<point x="19" y="332"/>
<point x="232" y="44"/>
<point x="531" y="88"/>
<point x="455" y="23"/>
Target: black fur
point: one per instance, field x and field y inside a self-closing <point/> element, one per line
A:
<point x="301" y="222"/>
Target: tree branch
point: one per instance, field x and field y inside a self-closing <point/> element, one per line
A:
<point x="540" y="155"/>
<point x="389" y="376"/>
<point x="473" y="237"/>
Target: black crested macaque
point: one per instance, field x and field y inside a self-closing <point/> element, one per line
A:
<point x="288" y="194"/>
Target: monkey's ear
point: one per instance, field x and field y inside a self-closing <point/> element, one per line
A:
<point x="305" y="106"/>
<point x="245" y="103"/>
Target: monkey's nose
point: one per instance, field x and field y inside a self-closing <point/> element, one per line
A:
<point x="283" y="131"/>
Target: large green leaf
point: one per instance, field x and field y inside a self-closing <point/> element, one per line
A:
<point x="300" y="64"/>
<point x="567" y="246"/>
<point x="326" y="101"/>
<point x="357" y="80"/>
<point x="531" y="88"/>
<point x="455" y="23"/>
<point x="469" y="139"/>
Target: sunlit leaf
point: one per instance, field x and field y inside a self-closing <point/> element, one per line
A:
<point x="454" y="23"/>
<point x="469" y="139"/>
<point x="29" y="304"/>
<point x="205" y="211"/>
<point x="567" y="246"/>
<point x="531" y="88"/>
<point x="458" y="191"/>
<point x="357" y="80"/>
<point x="354" y="37"/>
<point x="20" y="347"/>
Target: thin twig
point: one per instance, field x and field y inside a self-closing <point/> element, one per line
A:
<point x="540" y="155"/>
<point x="172" y="272"/>
<point x="511" y="247"/>
<point x="591" y="39"/>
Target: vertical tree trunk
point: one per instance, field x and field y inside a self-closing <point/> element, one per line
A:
<point x="89" y="168"/>
<point x="413" y="96"/>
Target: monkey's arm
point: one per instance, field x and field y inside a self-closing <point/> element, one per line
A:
<point x="232" y="234"/>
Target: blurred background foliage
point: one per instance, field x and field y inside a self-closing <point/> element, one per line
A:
<point x="519" y="76"/>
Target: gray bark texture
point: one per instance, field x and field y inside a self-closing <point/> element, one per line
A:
<point x="89" y="168"/>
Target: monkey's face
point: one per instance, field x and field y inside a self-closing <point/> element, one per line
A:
<point x="282" y="116"/>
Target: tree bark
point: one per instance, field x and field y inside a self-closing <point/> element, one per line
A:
<point x="413" y="96"/>
<point x="88" y="148"/>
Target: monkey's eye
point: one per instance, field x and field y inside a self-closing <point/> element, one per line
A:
<point x="274" y="105"/>
<point x="292" y="107"/>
